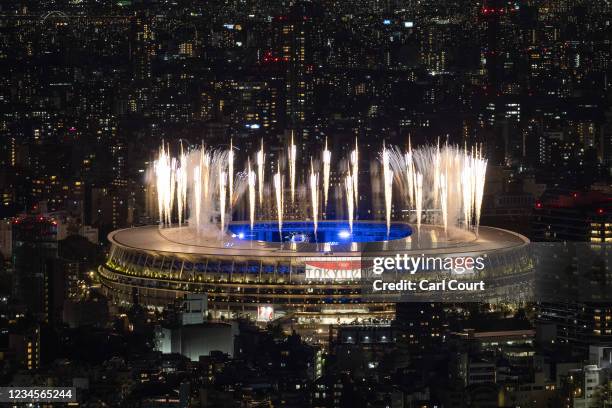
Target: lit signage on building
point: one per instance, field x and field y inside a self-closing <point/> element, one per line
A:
<point x="333" y="269"/>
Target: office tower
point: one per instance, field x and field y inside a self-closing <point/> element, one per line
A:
<point x="34" y="249"/>
<point x="577" y="268"/>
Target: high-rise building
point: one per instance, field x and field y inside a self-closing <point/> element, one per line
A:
<point x="578" y="267"/>
<point x="141" y="46"/>
<point x="35" y="247"/>
<point x="434" y="45"/>
<point x="294" y="37"/>
<point x="577" y="216"/>
<point x="25" y="347"/>
<point x="498" y="42"/>
<point x="584" y="387"/>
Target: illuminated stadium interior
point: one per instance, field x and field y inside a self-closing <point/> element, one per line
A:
<point x="327" y="232"/>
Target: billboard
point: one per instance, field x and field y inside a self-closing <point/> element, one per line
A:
<point x="265" y="313"/>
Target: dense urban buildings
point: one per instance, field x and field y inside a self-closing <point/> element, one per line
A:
<point x="90" y="90"/>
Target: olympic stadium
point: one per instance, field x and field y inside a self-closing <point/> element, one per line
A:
<point x="299" y="265"/>
<point x="252" y="274"/>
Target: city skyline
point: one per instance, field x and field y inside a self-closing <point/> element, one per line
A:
<point x="322" y="120"/>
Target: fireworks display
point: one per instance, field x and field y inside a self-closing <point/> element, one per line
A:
<point x="436" y="185"/>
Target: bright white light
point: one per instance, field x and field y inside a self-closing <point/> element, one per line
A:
<point x="344" y="234"/>
<point x="251" y="181"/>
<point x="408" y="24"/>
<point x="326" y="173"/>
<point x="292" y="154"/>
<point x="241" y="235"/>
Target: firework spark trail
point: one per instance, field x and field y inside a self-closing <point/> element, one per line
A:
<point x="170" y="197"/>
<point x="475" y="164"/>
<point x="436" y="175"/>
<point x="222" y="196"/>
<point x="449" y="186"/>
<point x="419" y="198"/>
<point x="197" y="191"/>
<point x="162" y="179"/>
<point x="355" y="172"/>
<point x="251" y="181"/>
<point x="444" y="185"/>
<point x="410" y="173"/>
<point x="261" y="161"/>
<point x="292" y="155"/>
<point x="167" y="188"/>
<point x="388" y="184"/>
<point x="159" y="191"/>
<point x="230" y="170"/>
<point x="181" y="194"/>
<point x="326" y="171"/>
<point x="480" y="174"/>
<point x="241" y="185"/>
<point x="205" y="161"/>
<point x="278" y="187"/>
<point x="444" y="201"/>
<point x="467" y="176"/>
<point x="350" y="197"/>
<point x="165" y="172"/>
<point x="314" y="196"/>
<point x="457" y="186"/>
<point x="181" y="185"/>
